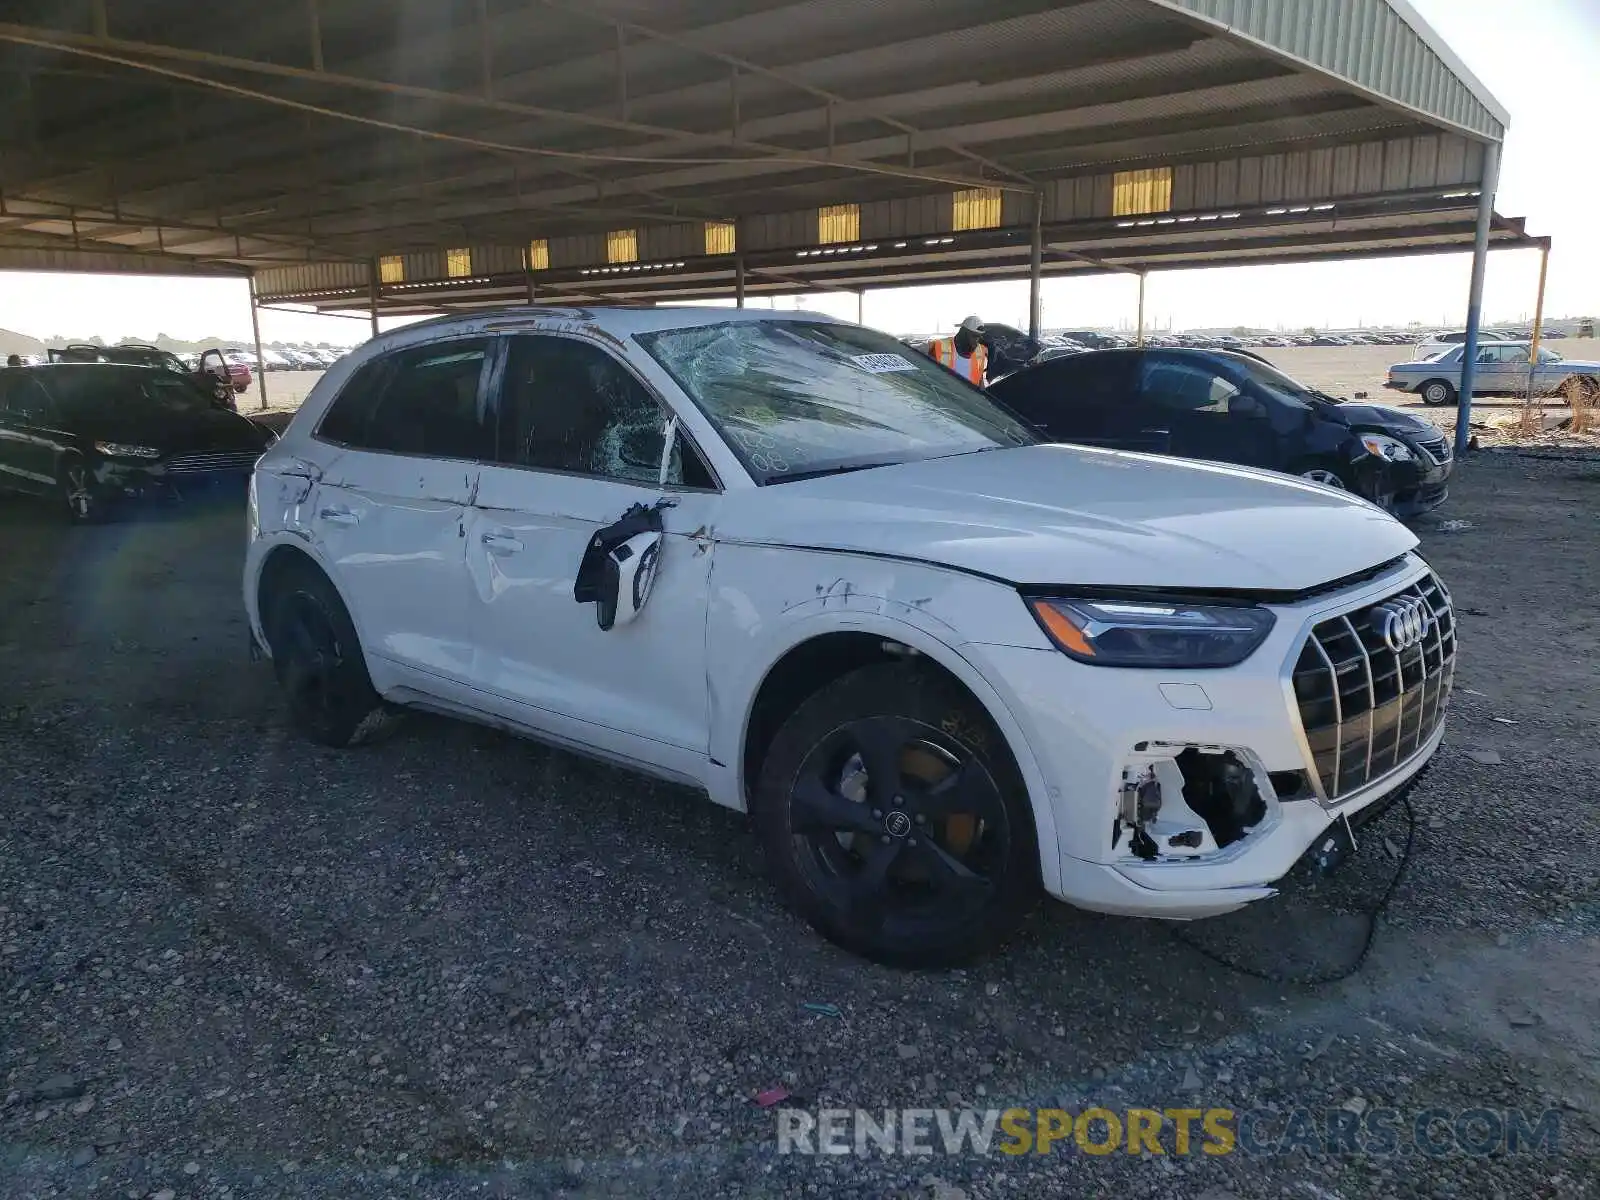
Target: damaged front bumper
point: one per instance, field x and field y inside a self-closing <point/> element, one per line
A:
<point x="1190" y="794"/>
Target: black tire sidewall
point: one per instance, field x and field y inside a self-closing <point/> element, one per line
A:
<point x="357" y="701"/>
<point x="898" y="690"/>
<point x="1449" y="394"/>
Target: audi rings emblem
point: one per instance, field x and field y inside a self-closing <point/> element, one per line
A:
<point x="1403" y="622"/>
<point x="897" y="824"/>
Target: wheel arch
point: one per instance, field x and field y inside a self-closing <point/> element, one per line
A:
<point x="276" y="563"/>
<point x="820" y="652"/>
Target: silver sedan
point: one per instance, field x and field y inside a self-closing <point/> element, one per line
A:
<point x="1503" y="370"/>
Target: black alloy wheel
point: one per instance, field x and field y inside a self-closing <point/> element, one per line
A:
<point x="317" y="658"/>
<point x="895" y="819"/>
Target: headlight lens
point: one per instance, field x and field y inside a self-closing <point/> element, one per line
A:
<point x="1387" y="448"/>
<point x="124" y="450"/>
<point x="1152" y="633"/>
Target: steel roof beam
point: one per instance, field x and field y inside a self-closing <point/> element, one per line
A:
<point x="139" y="56"/>
<point x="830" y="98"/>
<point x="448" y="208"/>
<point x="804" y="119"/>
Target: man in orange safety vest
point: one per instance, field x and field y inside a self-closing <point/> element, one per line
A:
<point x="964" y="353"/>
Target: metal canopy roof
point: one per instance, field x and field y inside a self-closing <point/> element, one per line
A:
<point x="303" y="142"/>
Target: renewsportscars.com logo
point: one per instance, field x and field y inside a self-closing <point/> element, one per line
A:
<point x="1378" y="1132"/>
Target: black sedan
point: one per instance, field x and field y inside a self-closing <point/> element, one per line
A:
<point x="1234" y="408"/>
<point x="90" y="434"/>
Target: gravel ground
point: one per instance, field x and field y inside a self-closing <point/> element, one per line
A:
<point x="456" y="963"/>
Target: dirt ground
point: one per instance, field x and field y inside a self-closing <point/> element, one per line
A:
<point x="455" y="963"/>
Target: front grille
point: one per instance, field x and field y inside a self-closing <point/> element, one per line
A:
<point x="228" y="460"/>
<point x="1364" y="708"/>
<point x="1436" y="447"/>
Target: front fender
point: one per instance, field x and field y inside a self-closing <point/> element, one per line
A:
<point x="753" y="628"/>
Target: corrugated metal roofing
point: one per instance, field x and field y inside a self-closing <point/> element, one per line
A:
<point x="222" y="134"/>
<point x="1380" y="46"/>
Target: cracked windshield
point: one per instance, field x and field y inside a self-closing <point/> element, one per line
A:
<point x="797" y="399"/>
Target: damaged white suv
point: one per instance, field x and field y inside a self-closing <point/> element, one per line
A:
<point x="783" y="560"/>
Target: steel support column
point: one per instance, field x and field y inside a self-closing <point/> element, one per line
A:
<point x="1139" y="336"/>
<point x="255" y="328"/>
<point x="1480" y="259"/>
<point x="738" y="280"/>
<point x="1036" y="269"/>
<point x="1538" y="315"/>
<point x="861" y="306"/>
<point x="372" y="293"/>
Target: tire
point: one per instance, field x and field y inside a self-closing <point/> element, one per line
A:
<point x="76" y="496"/>
<point x="1437" y="392"/>
<point x="933" y="868"/>
<point x="317" y="658"/>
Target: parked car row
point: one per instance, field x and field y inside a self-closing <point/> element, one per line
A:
<point x="282" y="359"/>
<point x="944" y="666"/>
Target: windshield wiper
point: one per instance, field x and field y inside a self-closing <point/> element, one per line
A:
<point x="840" y="469"/>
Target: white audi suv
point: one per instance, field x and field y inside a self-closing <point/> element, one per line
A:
<point x="789" y="563"/>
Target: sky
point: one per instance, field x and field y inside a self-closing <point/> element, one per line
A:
<point x="1538" y="58"/>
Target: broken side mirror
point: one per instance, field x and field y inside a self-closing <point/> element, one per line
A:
<point x="628" y="574"/>
<point x="619" y="566"/>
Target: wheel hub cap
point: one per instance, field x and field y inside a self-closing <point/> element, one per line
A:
<point x="897" y="824"/>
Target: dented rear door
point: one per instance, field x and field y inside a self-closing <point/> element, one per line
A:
<point x="389" y="511"/>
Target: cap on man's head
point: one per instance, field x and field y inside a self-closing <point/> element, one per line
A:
<point x="973" y="324"/>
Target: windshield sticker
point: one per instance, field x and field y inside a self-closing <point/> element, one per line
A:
<point x="882" y="364"/>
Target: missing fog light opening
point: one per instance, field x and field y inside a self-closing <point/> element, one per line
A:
<point x="1223" y="791"/>
<point x="1179" y="803"/>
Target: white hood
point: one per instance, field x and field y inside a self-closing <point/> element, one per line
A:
<point x="1074" y="515"/>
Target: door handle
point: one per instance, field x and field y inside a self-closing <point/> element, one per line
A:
<point x="500" y="543"/>
<point x="338" y="516"/>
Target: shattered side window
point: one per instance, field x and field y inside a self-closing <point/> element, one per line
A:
<point x="567" y="405"/>
<point x="801" y="398"/>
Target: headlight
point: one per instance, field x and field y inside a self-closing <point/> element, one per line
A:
<point x="123" y="450"/>
<point x="1154" y="633"/>
<point x="1387" y="448"/>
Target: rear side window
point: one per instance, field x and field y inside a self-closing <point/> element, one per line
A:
<point x="1185" y="386"/>
<point x="427" y="402"/>
<point x="1056" y="390"/>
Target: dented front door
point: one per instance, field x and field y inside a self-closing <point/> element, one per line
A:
<point x="644" y="681"/>
<point x="580" y="438"/>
